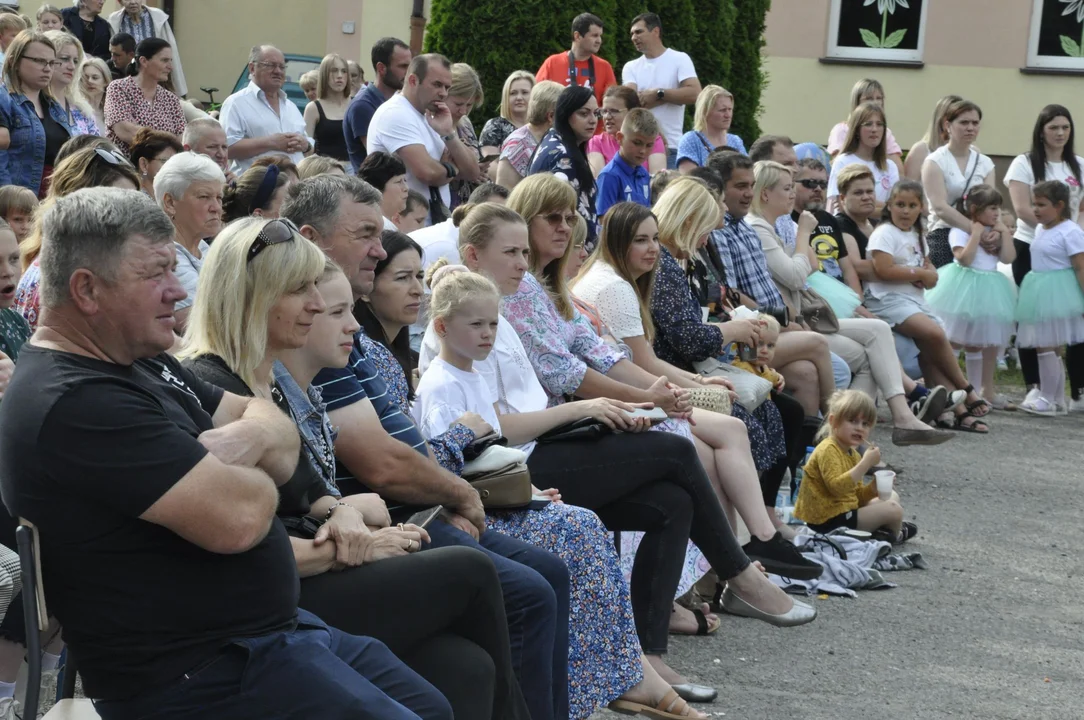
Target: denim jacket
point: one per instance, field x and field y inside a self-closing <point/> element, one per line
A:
<point x="307" y="409"/>
<point x="23" y="163"/>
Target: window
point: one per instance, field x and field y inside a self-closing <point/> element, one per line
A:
<point x="1057" y="35"/>
<point x="880" y="30"/>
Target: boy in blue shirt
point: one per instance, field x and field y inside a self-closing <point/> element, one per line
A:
<point x="624" y="179"/>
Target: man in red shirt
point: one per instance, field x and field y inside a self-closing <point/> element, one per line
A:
<point x="581" y="63"/>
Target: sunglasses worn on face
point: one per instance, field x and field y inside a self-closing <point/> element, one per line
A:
<point x="555" y="219"/>
<point x="811" y="184"/>
<point x="273" y="233"/>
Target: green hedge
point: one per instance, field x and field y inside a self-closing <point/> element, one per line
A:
<point x="723" y="37"/>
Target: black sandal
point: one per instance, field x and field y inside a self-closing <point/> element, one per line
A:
<point x="977" y="420"/>
<point x="909" y="531"/>
<point x="980" y="403"/>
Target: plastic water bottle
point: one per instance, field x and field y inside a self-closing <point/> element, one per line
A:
<point x="800" y="474"/>
<point x="782" y="499"/>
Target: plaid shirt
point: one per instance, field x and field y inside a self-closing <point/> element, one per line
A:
<point x="746" y="267"/>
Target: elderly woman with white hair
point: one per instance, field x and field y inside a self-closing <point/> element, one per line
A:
<point x="189" y="189"/>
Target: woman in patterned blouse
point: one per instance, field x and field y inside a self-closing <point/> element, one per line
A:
<point x="133" y="103"/>
<point x="515" y="96"/>
<point x="563" y="151"/>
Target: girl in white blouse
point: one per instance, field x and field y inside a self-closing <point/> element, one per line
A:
<point x="866" y="144"/>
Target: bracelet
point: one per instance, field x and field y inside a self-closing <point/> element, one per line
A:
<point x="332" y="509"/>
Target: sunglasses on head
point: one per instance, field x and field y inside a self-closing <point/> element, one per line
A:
<point x="810" y="184"/>
<point x="273" y="233"/>
<point x="111" y="156"/>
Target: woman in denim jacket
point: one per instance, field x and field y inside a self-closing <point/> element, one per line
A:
<point x="33" y="126"/>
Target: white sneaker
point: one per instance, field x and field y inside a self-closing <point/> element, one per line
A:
<point x="1032" y="395"/>
<point x="1039" y="405"/>
<point x="47" y="696"/>
<point x="8" y="709"/>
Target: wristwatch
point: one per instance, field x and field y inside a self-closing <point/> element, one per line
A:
<point x="660" y="94"/>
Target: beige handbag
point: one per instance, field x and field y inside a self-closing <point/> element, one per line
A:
<point x="752" y="390"/>
<point x="716" y="399"/>
<point x="501" y="477"/>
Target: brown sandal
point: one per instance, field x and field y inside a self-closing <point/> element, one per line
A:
<point x="671" y="707"/>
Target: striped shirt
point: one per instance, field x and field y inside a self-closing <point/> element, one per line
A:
<point x="360" y="380"/>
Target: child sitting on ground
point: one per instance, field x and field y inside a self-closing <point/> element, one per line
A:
<point x="17" y="206"/>
<point x="625" y="179"/>
<point x="834" y="492"/>
<point x="762" y="366"/>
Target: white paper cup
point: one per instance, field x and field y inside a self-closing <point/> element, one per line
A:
<point x="885" y="480"/>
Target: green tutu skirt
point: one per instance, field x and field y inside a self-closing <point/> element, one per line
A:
<point x="1050" y="311"/>
<point x="977" y="307"/>
<point x="839" y="296"/>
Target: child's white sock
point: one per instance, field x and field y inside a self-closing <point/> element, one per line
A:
<point x="1051" y="378"/>
<point x="7" y="689"/>
<point x="49" y="661"/>
<point x="973" y="364"/>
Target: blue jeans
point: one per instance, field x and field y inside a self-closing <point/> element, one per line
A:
<point x="535" y="585"/>
<point x="841" y="372"/>
<point x="312" y="671"/>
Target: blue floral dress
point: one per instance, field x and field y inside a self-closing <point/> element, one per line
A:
<point x="603" y="648"/>
<point x="553" y="157"/>
<point x="682" y="338"/>
<point x="560" y="352"/>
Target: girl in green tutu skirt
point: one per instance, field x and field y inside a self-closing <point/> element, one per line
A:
<point x="1050" y="311"/>
<point x="975" y="302"/>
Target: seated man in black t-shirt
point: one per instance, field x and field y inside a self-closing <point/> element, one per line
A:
<point x="810" y="185"/>
<point x="155" y="495"/>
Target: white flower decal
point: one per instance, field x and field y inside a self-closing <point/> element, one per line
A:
<point x="889" y="6"/>
<point x="1074" y="6"/>
<point x="886" y="8"/>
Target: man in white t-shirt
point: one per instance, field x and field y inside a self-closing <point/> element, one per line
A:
<point x="416" y="125"/>
<point x="665" y="79"/>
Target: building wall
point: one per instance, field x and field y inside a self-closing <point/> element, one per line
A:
<point x="805" y="97"/>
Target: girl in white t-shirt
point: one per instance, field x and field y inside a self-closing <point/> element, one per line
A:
<point x="1051" y="158"/>
<point x="1050" y="312"/>
<point x="975" y="302"/>
<point x="865" y="144"/>
<point x="898" y="297"/>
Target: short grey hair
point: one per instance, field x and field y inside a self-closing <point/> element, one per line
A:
<point x="315" y="201"/>
<point x="258" y="50"/>
<point x="196" y="129"/>
<point x="89" y="230"/>
<point x="182" y="170"/>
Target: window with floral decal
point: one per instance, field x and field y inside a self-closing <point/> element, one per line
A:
<point x="1057" y="35"/>
<point x="880" y="30"/>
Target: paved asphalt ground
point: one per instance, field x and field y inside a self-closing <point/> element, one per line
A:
<point x="993" y="629"/>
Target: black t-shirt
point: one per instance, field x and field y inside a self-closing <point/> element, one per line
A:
<point x="305" y="486"/>
<point x="827" y="242"/>
<point x="55" y="137"/>
<point x="850" y="227"/>
<point x="86" y="447"/>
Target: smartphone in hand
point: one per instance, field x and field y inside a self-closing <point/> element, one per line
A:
<point x="423" y="518"/>
<point x="656" y="415"/>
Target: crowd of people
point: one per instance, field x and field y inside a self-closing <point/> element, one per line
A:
<point x="280" y="365"/>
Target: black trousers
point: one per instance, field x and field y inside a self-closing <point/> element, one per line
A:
<point x="1029" y="357"/>
<point x="792" y="414"/>
<point x="652" y="482"/>
<point x="441" y="612"/>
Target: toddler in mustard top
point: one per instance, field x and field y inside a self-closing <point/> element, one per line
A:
<point x="769" y="336"/>
<point x="834" y="492"/>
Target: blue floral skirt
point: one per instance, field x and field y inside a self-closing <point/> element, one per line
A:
<point x="603" y="648"/>
<point x="765" y="425"/>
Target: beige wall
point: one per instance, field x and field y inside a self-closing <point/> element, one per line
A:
<point x="805" y="98"/>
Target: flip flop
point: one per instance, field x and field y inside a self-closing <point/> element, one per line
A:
<point x="961" y="427"/>
<point x="702" y="625"/>
<point x="671" y="707"/>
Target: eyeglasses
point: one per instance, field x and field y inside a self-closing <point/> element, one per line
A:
<point x="273" y="233"/>
<point x="273" y="66"/>
<point x="811" y="184"/>
<point x="607" y="112"/>
<point x="555" y="219"/>
<point x="43" y="63"/>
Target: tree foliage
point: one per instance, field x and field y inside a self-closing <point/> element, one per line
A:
<point x="497" y="37"/>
